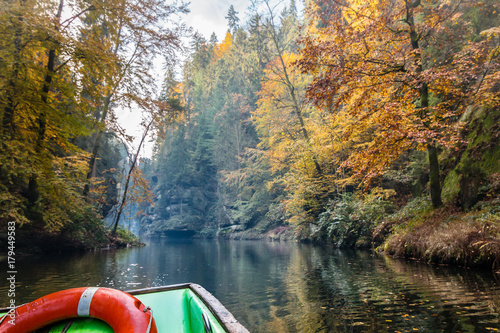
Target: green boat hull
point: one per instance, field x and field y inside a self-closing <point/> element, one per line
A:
<point x="178" y="309"/>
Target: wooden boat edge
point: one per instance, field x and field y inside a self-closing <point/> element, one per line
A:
<point x="226" y="318"/>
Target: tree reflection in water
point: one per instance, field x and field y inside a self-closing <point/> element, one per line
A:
<point x="285" y="287"/>
<point x="348" y="291"/>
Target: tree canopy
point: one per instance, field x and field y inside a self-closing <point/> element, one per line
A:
<point x="66" y="69"/>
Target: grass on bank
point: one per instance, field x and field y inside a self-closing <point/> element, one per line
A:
<point x="445" y="235"/>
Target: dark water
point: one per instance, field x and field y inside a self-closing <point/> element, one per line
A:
<point x="284" y="287"/>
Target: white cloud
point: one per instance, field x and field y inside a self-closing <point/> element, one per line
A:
<point x="208" y="16"/>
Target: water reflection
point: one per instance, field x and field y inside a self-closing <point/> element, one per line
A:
<point x="285" y="287"/>
<point x="354" y="292"/>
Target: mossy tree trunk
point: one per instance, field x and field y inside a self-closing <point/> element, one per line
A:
<point x="435" y="185"/>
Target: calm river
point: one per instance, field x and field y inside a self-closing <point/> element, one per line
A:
<point x="284" y="287"/>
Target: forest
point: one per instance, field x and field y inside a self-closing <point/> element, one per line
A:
<point x="370" y="124"/>
<point x="67" y="68"/>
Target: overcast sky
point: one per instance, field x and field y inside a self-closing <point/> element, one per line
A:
<point x="208" y="16"/>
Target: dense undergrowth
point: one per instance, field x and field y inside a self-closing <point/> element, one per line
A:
<point x="450" y="234"/>
<point x="445" y="235"/>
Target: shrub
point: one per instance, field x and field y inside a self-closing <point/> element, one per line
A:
<point x="350" y="220"/>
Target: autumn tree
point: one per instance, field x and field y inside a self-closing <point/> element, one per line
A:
<point x="282" y="37"/>
<point x="287" y="124"/>
<point x="135" y="33"/>
<point x="404" y="69"/>
<point x="40" y="113"/>
<point x="64" y="68"/>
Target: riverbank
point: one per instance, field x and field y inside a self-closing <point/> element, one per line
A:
<point x="29" y="242"/>
<point x="281" y="233"/>
<point x="445" y="235"/>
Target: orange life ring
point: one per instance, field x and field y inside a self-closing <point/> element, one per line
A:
<point x="123" y="312"/>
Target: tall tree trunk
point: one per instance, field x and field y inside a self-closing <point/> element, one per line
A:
<point x="432" y="153"/>
<point x="434" y="177"/>
<point x="33" y="194"/>
<point x="129" y="175"/>
<point x="102" y="119"/>
<point x="291" y="89"/>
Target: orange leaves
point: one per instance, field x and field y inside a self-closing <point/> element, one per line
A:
<point x="393" y="66"/>
<point x="140" y="192"/>
<point x="223" y="48"/>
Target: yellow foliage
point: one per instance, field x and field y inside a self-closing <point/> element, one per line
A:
<point x="282" y="118"/>
<point x="224" y="46"/>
